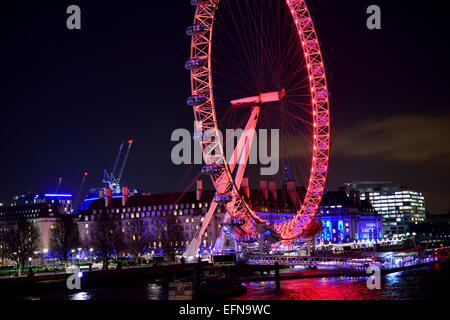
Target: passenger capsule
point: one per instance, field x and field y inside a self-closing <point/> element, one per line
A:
<point x="196" y="100"/>
<point x="194" y="29"/>
<point x="194" y="63"/>
<point x="237" y="222"/>
<point x="322" y="94"/>
<point x="211" y="169"/>
<point x="197" y="2"/>
<point x="249" y="239"/>
<point x="223" y="198"/>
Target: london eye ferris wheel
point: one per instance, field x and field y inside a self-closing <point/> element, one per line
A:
<point x="257" y="64"/>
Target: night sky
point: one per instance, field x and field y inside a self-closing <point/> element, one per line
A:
<point x="69" y="97"/>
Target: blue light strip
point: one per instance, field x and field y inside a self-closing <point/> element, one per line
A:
<point x="51" y="195"/>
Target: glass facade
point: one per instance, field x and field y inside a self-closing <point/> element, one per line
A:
<point x="398" y="206"/>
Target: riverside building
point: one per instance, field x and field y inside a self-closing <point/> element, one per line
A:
<point x="348" y="219"/>
<point x="42" y="209"/>
<point x="399" y="206"/>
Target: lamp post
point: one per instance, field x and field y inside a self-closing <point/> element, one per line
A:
<point x="45" y="255"/>
<point x="30" y="270"/>
<point x="72" y="254"/>
<point x="79" y="256"/>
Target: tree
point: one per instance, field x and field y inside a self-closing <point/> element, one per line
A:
<point x="64" y="237"/>
<point x="22" y="240"/>
<point x="3" y="249"/>
<point x="107" y="237"/>
<point x="137" y="242"/>
<point x="170" y="235"/>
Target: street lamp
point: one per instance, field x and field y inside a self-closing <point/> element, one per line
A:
<point x="90" y="251"/>
<point x="29" y="260"/>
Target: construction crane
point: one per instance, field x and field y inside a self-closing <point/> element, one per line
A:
<point x="110" y="178"/>
<point x="58" y="185"/>
<point x="80" y="190"/>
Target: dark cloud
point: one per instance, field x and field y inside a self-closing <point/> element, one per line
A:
<point x="418" y="137"/>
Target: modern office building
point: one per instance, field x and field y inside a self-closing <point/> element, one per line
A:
<point x="399" y="206"/>
<point x="62" y="201"/>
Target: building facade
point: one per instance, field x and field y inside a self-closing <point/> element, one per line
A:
<point x="344" y="219"/>
<point x="153" y="214"/>
<point x="44" y="210"/>
<point x="399" y="206"/>
<point x="348" y="219"/>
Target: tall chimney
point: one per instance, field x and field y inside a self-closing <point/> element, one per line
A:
<point x="108" y="196"/>
<point x="292" y="191"/>
<point x="101" y="193"/>
<point x="124" y="195"/>
<point x="263" y="187"/>
<point x="273" y="189"/>
<point x="199" y="189"/>
<point x="245" y="187"/>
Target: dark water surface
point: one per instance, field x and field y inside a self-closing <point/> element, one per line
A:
<point x="426" y="283"/>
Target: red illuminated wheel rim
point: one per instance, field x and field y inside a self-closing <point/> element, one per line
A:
<point x="204" y="108"/>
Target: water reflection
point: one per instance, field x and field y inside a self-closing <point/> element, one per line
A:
<point x="422" y="283"/>
<point x="311" y="289"/>
<point x="80" y="296"/>
<point x="138" y="292"/>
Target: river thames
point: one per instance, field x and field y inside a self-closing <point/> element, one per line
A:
<point x="426" y="283"/>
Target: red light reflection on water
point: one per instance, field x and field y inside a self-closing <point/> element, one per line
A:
<point x="313" y="289"/>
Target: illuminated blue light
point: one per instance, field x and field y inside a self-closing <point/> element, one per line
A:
<point x="341" y="229"/>
<point x="51" y="195"/>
